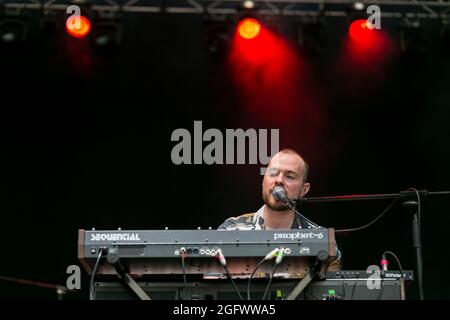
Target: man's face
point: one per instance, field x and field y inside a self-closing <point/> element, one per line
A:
<point x="286" y="170"/>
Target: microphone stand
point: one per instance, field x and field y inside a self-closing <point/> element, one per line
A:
<point x="404" y="195"/>
<point x="291" y="206"/>
<point x="408" y="198"/>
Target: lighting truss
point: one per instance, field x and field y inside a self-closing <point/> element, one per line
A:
<point x="438" y="9"/>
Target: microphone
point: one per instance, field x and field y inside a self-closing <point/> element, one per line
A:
<point x="280" y="194"/>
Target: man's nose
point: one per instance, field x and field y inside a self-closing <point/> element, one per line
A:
<point x="279" y="179"/>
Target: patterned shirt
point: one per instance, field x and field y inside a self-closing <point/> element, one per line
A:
<point x="255" y="221"/>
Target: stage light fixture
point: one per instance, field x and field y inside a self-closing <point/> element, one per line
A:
<point x="217" y="36"/>
<point x="412" y="38"/>
<point x="249" y="28"/>
<point x="358" y="6"/>
<point x="106" y="34"/>
<point x="78" y="26"/>
<point x="248" y="4"/>
<point x="13" y="29"/>
<point x="361" y="30"/>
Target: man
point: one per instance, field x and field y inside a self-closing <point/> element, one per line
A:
<point x="290" y="171"/>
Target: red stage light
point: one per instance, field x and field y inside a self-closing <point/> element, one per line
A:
<point x="361" y="30"/>
<point x="78" y="27"/>
<point x="249" y="28"/>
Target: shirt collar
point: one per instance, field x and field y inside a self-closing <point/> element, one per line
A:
<point x="258" y="220"/>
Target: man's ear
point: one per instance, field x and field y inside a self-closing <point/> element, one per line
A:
<point x="305" y="189"/>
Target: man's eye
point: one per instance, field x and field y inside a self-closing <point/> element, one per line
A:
<point x="273" y="172"/>
<point x="290" y="177"/>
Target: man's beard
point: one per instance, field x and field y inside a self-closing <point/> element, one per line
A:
<point x="272" y="203"/>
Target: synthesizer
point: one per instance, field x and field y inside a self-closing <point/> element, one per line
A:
<point x="334" y="287"/>
<point x="147" y="252"/>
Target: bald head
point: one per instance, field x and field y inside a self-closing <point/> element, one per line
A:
<point x="303" y="166"/>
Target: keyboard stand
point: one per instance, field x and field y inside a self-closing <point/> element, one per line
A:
<point x="113" y="259"/>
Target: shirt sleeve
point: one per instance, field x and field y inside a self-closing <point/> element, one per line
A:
<point x="228" y="224"/>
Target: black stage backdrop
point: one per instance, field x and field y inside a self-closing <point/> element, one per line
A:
<point x="86" y="142"/>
